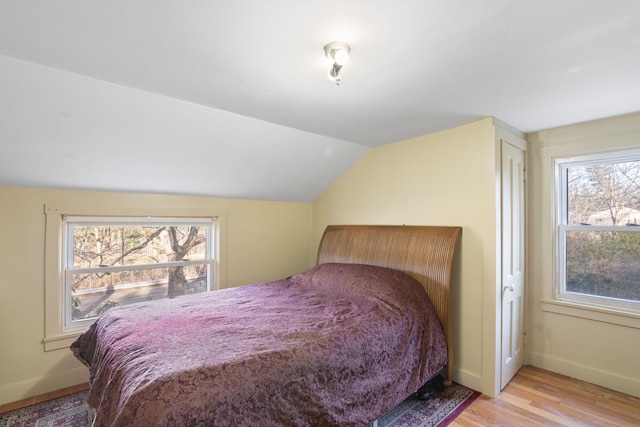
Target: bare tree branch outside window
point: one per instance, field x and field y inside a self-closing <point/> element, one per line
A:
<point x="603" y="261"/>
<point x="121" y="264"/>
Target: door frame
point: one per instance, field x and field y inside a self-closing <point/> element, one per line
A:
<point x="492" y="246"/>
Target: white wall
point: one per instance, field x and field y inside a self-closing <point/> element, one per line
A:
<point x="265" y="241"/>
<point x="592" y="345"/>
<point x="63" y="130"/>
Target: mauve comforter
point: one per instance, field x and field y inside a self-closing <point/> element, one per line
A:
<point x="337" y="345"/>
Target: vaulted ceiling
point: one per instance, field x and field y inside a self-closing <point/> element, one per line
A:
<point x="231" y="98"/>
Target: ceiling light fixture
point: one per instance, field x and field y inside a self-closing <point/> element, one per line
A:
<point x="338" y="54"/>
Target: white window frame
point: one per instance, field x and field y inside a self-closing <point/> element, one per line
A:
<point x="68" y="222"/>
<point x="58" y="334"/>
<point x="561" y="294"/>
<point x="574" y="148"/>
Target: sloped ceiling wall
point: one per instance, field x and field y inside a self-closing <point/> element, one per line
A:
<point x="231" y="99"/>
<point x="63" y="130"/>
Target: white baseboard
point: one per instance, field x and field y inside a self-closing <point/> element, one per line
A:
<point x="467" y="379"/>
<point x="610" y="380"/>
<point x="13" y="392"/>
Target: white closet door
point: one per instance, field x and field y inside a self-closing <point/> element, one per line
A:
<point x="513" y="236"/>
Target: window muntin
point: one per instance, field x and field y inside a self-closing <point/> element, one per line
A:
<point x="599" y="231"/>
<point x="110" y="261"/>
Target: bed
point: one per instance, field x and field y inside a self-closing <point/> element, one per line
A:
<point x="337" y="345"/>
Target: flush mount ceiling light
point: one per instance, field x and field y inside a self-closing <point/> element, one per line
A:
<point x="338" y="54"/>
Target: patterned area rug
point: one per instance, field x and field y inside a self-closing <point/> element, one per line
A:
<point x="439" y="410"/>
<point x="68" y="411"/>
<point x="71" y="411"/>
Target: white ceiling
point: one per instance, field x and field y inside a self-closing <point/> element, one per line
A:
<point x="231" y="98"/>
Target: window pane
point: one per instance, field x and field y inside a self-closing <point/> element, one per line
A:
<point x="106" y="245"/>
<point x="94" y="293"/>
<point x="602" y="263"/>
<point x="604" y="194"/>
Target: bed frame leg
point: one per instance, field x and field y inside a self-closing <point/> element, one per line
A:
<point x="374" y="423"/>
<point x="448" y="378"/>
<point x="435" y="384"/>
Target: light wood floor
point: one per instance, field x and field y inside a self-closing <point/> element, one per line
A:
<point x="535" y="397"/>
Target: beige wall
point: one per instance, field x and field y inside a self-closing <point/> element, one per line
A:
<point x="448" y="178"/>
<point x="444" y="178"/>
<point x="264" y="241"/>
<point x="592" y="345"/>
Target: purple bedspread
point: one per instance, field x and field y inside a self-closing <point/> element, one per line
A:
<point x="337" y="345"/>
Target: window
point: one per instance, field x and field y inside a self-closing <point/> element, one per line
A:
<point x="112" y="261"/>
<point x="599" y="231"/>
<point x="100" y="257"/>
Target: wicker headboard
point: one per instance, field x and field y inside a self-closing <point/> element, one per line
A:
<point x="424" y="252"/>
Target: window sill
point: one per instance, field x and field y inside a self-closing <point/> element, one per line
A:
<point x="60" y="342"/>
<point x="598" y="314"/>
